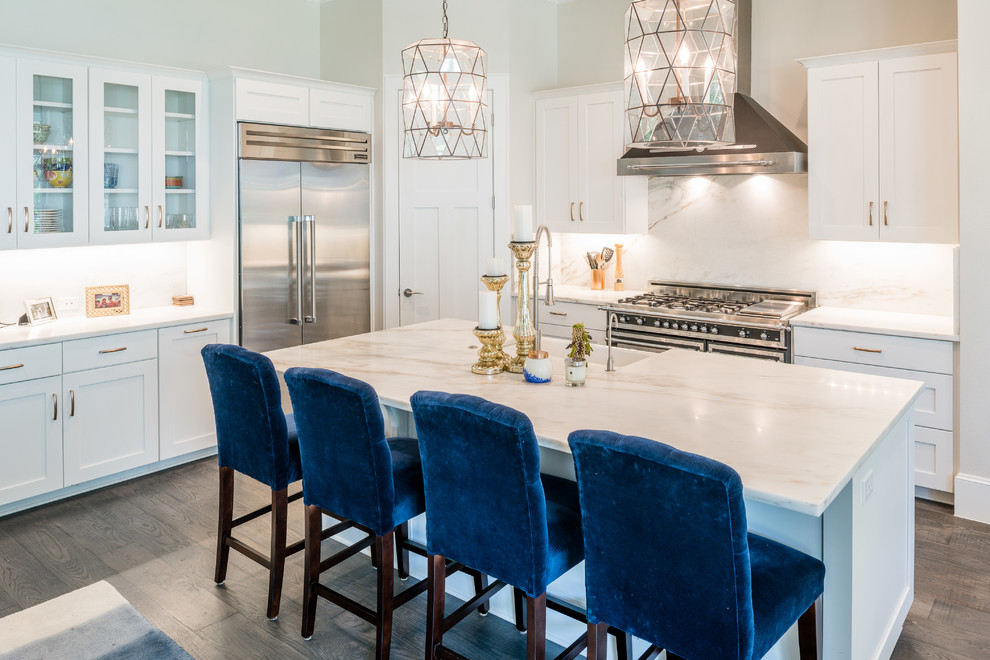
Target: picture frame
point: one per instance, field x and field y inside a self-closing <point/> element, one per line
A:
<point x="113" y="300"/>
<point x="40" y="310"/>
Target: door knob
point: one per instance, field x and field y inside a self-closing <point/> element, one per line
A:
<point x="409" y="293"/>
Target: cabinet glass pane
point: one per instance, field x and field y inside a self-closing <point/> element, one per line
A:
<point x="121" y="162"/>
<point x="53" y="193"/>
<point x="180" y="160"/>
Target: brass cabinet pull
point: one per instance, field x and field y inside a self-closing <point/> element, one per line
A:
<point x="581" y="211"/>
<point x="147" y="216"/>
<point x="72" y="403"/>
<point x="10" y="219"/>
<point x="868" y="350"/>
<point x="189" y="332"/>
<point x="26" y="219"/>
<point x="13" y="366"/>
<point x="558" y="313"/>
<point x="572" y="211"/>
<point x="55" y="402"/>
<point x="871" y="214"/>
<point x="113" y="350"/>
<point x="161" y="216"/>
<point x="885" y="213"/>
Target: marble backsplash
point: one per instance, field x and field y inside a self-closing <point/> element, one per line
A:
<point x="753" y="230"/>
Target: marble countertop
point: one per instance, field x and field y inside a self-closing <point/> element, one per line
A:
<point x="77" y="327"/>
<point x="795" y="434"/>
<point x="924" y="326"/>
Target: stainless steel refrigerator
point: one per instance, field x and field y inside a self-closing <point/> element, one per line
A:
<point x="304" y="216"/>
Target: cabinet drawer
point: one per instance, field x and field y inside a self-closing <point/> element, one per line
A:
<point x="109" y="350"/>
<point x="880" y="350"/>
<point x="17" y="364"/>
<point x="933" y="459"/>
<point x="933" y="408"/>
<point x="272" y="102"/>
<point x="566" y="313"/>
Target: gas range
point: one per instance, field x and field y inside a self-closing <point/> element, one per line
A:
<point x="711" y="318"/>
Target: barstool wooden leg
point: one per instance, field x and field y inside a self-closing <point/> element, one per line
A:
<point x="311" y="572"/>
<point x="597" y="641"/>
<point x="808" y="633"/>
<point x="536" y="627"/>
<point x="280" y="515"/>
<point x="386" y="587"/>
<point x="435" y="592"/>
<point x="480" y="584"/>
<point x="225" y="517"/>
<point x="401" y="535"/>
<point x="623" y="645"/>
<point x="517" y="606"/>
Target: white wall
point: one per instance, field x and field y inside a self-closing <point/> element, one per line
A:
<point x="753" y="231"/>
<point x="973" y="480"/>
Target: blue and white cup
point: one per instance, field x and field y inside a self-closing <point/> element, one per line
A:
<point x="537" y="368"/>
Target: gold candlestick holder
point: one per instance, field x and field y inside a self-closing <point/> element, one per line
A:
<point x="490" y="355"/>
<point x="495" y="283"/>
<point x="524" y="332"/>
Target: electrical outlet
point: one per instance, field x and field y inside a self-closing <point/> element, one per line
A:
<point x="867" y="486"/>
<point x="68" y="304"/>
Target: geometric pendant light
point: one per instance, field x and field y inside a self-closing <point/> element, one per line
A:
<point x="680" y="74"/>
<point x="444" y="98"/>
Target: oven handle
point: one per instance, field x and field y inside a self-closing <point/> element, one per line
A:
<point x="656" y="344"/>
<point x="779" y="356"/>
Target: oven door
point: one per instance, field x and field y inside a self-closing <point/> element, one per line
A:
<point x="749" y="351"/>
<point x="652" y="342"/>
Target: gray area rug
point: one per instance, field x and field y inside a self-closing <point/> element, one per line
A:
<point x="91" y="623"/>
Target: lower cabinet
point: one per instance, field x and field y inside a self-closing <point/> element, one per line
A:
<point x="31" y="438"/>
<point x="184" y="390"/>
<point x="111" y="423"/>
<point x="556" y="320"/>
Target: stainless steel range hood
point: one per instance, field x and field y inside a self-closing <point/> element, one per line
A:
<point x="763" y="145"/>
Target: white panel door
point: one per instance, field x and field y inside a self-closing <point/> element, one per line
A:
<point x="919" y="152"/>
<point x="600" y="206"/>
<point x="186" y="407"/>
<point x="446" y="230"/>
<point x="31" y="440"/>
<point x="111" y="420"/>
<point x="8" y="154"/>
<point x="843" y="137"/>
<point x="557" y="190"/>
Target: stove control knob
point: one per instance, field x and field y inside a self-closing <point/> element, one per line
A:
<point x="684" y="326"/>
<point x="694" y="327"/>
<point x="639" y="320"/>
<point x="656" y="323"/>
<point x="764" y="336"/>
<point x="704" y="328"/>
<point x="666" y="324"/>
<point x="742" y="332"/>
<point x="622" y="319"/>
<point x="714" y="330"/>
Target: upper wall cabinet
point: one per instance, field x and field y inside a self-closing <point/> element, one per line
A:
<point x="883" y="142"/>
<point x="51" y="158"/>
<point x="578" y="140"/>
<point x="275" y="99"/>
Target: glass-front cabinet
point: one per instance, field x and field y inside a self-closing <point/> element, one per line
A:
<point x="8" y="154"/>
<point x="52" y="167"/>
<point x="181" y="170"/>
<point x="121" y="149"/>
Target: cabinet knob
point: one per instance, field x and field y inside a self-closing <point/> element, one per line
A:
<point x="161" y="216"/>
<point x="147" y="216"/>
<point x="55" y="403"/>
<point x="581" y="211"/>
<point x="871" y="214"/>
<point x="10" y="219"/>
<point x="572" y="211"/>
<point x="885" y="213"/>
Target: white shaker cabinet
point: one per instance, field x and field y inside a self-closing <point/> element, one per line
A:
<point x="110" y="390"/>
<point x="883" y="145"/>
<point x="8" y="154"/>
<point x="187" y="423"/>
<point x="578" y="140"/>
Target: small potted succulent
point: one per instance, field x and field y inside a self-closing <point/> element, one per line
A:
<point x="576" y="363"/>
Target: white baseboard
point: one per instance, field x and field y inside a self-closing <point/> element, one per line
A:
<point x="972" y="498"/>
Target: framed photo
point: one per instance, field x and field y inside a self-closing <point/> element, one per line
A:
<point x="108" y="300"/>
<point x="41" y="310"/>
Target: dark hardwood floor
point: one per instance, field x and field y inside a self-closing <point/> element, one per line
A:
<point x="154" y="540"/>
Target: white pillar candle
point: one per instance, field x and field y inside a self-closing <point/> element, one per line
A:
<point x="494" y="266"/>
<point x="523" y="224"/>
<point x="487" y="310"/>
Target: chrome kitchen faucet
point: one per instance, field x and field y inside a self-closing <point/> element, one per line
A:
<point x="548" y="298"/>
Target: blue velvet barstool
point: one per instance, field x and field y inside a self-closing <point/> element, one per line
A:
<point x="488" y="507"/>
<point x="254" y="438"/>
<point x="683" y="573"/>
<point x="351" y="471"/>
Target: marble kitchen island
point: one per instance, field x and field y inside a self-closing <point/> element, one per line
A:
<point x="823" y="455"/>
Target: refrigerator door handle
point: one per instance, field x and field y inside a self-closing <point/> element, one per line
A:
<point x="295" y="267"/>
<point x="311" y="220"/>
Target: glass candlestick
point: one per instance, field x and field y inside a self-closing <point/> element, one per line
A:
<point x="524" y="332"/>
<point x="495" y="283"/>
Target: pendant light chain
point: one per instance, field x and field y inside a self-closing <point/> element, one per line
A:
<point x="444" y="19"/>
